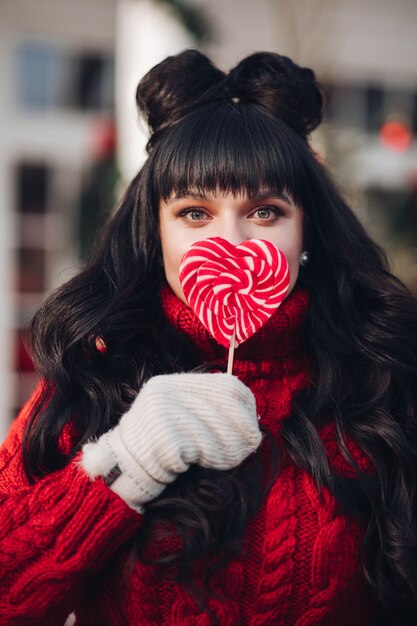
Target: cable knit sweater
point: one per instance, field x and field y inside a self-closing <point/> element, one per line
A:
<point x="64" y="540"/>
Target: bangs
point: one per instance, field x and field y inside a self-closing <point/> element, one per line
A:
<point x="223" y="148"/>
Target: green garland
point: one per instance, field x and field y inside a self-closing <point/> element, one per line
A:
<point x="194" y="20"/>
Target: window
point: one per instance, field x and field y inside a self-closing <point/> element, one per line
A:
<point x="32" y="188"/>
<point x="367" y="107"/>
<point x="346" y="105"/>
<point x="42" y="75"/>
<point x="374" y="107"/>
<point x="414" y="114"/>
<point x="31" y="270"/>
<point x="52" y="76"/>
<point x="93" y="88"/>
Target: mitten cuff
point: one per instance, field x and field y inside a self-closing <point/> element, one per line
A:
<point x="133" y="484"/>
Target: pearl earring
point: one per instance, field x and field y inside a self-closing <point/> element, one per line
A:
<point x="304" y="258"/>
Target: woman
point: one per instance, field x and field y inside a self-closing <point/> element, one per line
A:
<point x="138" y="486"/>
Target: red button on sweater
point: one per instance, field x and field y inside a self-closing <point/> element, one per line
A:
<point x="63" y="541"/>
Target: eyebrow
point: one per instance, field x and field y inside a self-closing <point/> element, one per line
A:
<point x="255" y="198"/>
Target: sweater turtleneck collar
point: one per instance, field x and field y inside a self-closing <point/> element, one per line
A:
<point x="281" y="336"/>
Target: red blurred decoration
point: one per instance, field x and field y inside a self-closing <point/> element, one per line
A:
<point x="103" y="138"/>
<point x="395" y="136"/>
<point x="23" y="360"/>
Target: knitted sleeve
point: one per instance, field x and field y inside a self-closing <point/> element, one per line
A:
<point x="53" y="535"/>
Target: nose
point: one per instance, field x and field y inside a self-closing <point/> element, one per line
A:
<point x="233" y="230"/>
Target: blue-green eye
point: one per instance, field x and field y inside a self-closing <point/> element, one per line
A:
<point x="264" y="213"/>
<point x="267" y="213"/>
<point x="194" y="215"/>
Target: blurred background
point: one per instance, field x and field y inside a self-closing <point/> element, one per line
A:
<point x="70" y="138"/>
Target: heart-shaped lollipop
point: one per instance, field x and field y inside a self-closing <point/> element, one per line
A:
<point x="232" y="289"/>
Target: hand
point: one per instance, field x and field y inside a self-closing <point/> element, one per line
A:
<point x="176" y="420"/>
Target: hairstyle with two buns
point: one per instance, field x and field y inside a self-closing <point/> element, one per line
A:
<point x="244" y="130"/>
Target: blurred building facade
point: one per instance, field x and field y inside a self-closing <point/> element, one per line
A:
<point x="68" y="70"/>
<point x="56" y="116"/>
<point x="363" y="51"/>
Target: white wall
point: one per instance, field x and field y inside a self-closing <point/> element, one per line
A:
<point x="7" y="309"/>
<point x="145" y="34"/>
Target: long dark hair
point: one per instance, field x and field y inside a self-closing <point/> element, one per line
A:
<point x="246" y="130"/>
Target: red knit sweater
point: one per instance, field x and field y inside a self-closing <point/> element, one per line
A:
<point x="64" y="541"/>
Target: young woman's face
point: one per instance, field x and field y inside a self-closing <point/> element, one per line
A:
<point x="187" y="219"/>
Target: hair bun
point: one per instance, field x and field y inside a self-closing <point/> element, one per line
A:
<point x="175" y="87"/>
<point x="276" y="83"/>
<point x="181" y="83"/>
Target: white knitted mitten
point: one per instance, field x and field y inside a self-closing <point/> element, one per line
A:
<point x="176" y="420"/>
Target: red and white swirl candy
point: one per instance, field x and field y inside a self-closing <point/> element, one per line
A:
<point x="234" y="287"/>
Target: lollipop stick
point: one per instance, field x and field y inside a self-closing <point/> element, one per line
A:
<point x="231" y="352"/>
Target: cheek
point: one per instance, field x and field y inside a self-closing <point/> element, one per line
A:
<point x="292" y="248"/>
<point x="294" y="270"/>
